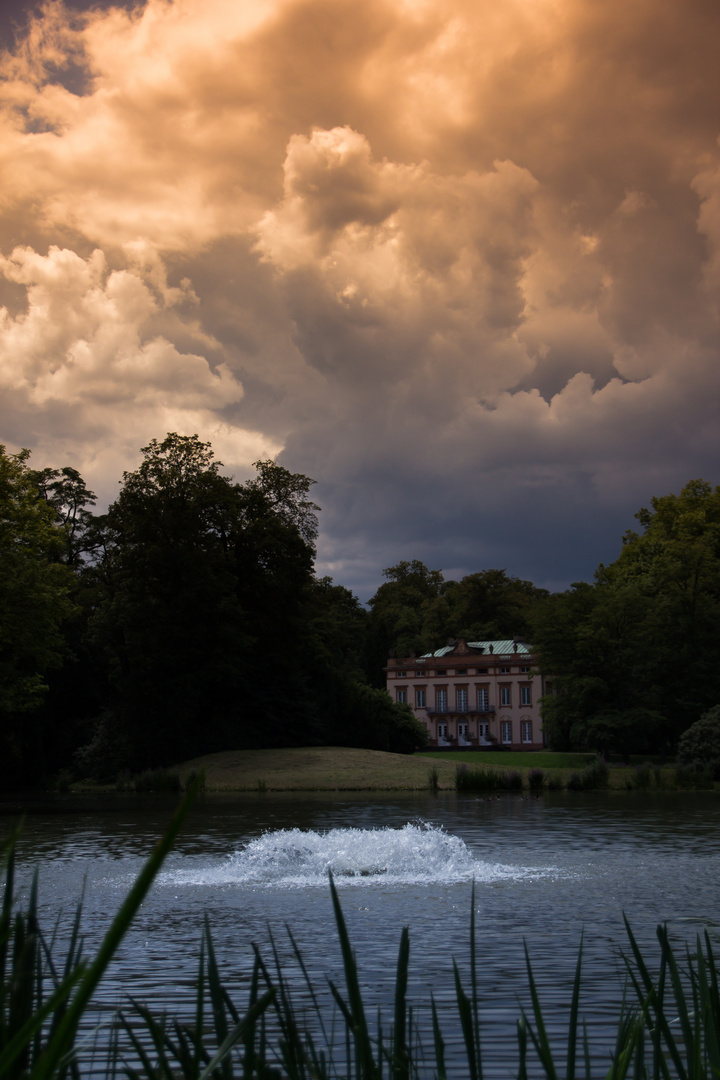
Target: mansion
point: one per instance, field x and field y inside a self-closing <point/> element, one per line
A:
<point x="473" y="694"/>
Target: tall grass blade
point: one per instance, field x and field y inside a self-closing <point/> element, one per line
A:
<point x="361" y="1035"/>
<point x="237" y="1034"/>
<point x="474" y="985"/>
<point x="466" y="1023"/>
<point x="539" y="1037"/>
<point x="400" y="1054"/>
<point x="62" y="1039"/>
<point x="574" y="1016"/>
<point x="217" y="999"/>
<point x="655" y="995"/>
<point x="522" y="1049"/>
<point x="439" y="1043"/>
<point x="318" y="1012"/>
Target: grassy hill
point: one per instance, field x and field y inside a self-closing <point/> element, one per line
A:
<point x="317" y="768"/>
<point x="334" y="768"/>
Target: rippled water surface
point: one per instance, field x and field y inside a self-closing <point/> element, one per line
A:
<point x="544" y="869"/>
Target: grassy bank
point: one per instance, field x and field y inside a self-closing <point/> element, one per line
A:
<point x="559" y="769"/>
<point x="333" y="768"/>
<point x="321" y="768"/>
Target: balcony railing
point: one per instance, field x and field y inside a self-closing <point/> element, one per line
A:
<point x="435" y="710"/>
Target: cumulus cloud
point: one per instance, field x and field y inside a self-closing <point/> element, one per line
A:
<point x="458" y="261"/>
<point x="82" y="365"/>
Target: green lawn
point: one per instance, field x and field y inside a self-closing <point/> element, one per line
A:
<point x="512" y="759"/>
<point x="318" y="768"/>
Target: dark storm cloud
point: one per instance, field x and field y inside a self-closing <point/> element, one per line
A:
<point x="459" y="262"/>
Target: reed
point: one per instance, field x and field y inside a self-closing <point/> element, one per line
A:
<point x="481" y="778"/>
<point x="591" y="778"/>
<point x="536" y="780"/>
<point x="160" y="780"/>
<point x="667" y="1020"/>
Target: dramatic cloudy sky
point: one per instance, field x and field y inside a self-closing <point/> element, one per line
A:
<point x="458" y="260"/>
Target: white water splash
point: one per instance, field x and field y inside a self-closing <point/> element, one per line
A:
<point x="294" y="858"/>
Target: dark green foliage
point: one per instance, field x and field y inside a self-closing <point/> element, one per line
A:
<point x="360" y="715"/>
<point x="67" y="493"/>
<point x="198" y="580"/>
<point x="36" y="600"/>
<point x="513" y="780"/>
<point x="104" y="756"/>
<point x="593" y="777"/>
<point x="481" y="778"/>
<point x="693" y="777"/>
<point x="700" y="745"/>
<point x="185" y="620"/>
<point x="416" y="610"/>
<point x="536" y="779"/>
<point x="634" y="656"/>
<point x="643" y="775"/>
<point x="400" y="609"/>
<point x="158" y="780"/>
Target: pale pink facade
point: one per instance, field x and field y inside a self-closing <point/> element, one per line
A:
<point x="473" y="694"/>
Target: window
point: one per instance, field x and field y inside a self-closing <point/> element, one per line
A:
<point x="525" y="695"/>
<point x="526" y="731"/>
<point x="402" y="696"/>
<point x="441" y="700"/>
<point x="420" y="674"/>
<point x="420" y="699"/>
<point x="461" y="671"/>
<point x="505" y="698"/>
<point x="506" y="731"/>
<point x="463" y="731"/>
<point x="442" y="731"/>
<point x="483" y="729"/>
<point x="525" y="670"/>
<point x="549" y="689"/>
<point x="441" y="672"/>
<point x="462" y="699"/>
<point x="401" y="674"/>
<point x="483" y="699"/>
<point x="504" y="670"/>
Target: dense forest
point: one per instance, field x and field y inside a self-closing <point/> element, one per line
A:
<point x="188" y="618"/>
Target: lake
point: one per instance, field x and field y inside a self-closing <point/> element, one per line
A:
<point x="547" y="870"/>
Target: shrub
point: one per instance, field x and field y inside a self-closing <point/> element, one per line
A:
<point x="643" y="775"/>
<point x="591" y="778"/>
<point x="158" y="780"/>
<point x="478" y="778"/>
<point x="512" y="781"/>
<point x="536" y="779"/>
<point x="481" y="778"/>
<point x="687" y="776"/>
<point x="195" y="779"/>
<point x="107" y="752"/>
<point x="700" y="745"/>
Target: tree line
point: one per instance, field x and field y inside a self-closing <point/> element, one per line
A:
<point x="632" y="657"/>
<point x="189" y="619"/>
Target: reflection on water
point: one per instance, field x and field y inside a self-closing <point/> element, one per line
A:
<point x="544" y="869"/>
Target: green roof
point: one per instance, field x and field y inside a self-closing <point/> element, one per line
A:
<point x="495" y="648"/>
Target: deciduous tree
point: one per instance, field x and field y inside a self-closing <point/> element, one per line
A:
<point x="35" y="601"/>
